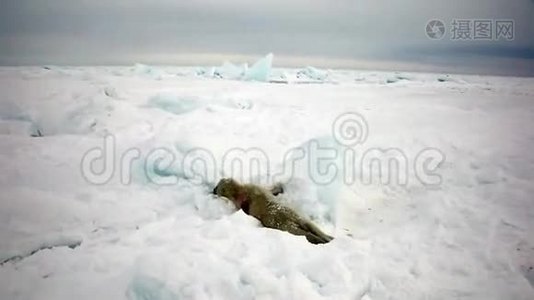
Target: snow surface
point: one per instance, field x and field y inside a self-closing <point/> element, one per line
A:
<point x="469" y="237"/>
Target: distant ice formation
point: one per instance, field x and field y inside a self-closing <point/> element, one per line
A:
<point x="145" y="70"/>
<point x="230" y="71"/>
<point x="396" y="78"/>
<point x="313" y="73"/>
<point x="260" y="71"/>
<point x="263" y="71"/>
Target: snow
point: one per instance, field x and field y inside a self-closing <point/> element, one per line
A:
<point x="16" y="127"/>
<point x="63" y="237"/>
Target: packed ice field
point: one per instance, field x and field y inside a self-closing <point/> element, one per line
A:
<point x="119" y="234"/>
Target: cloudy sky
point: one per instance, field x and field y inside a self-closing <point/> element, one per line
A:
<point x="327" y="33"/>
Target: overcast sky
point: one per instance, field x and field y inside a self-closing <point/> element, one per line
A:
<point x="331" y="33"/>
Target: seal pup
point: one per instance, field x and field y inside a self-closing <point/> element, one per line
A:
<point x="260" y="203"/>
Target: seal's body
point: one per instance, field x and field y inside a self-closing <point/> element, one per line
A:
<point x="261" y="204"/>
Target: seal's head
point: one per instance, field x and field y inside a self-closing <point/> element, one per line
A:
<point x="230" y="189"/>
